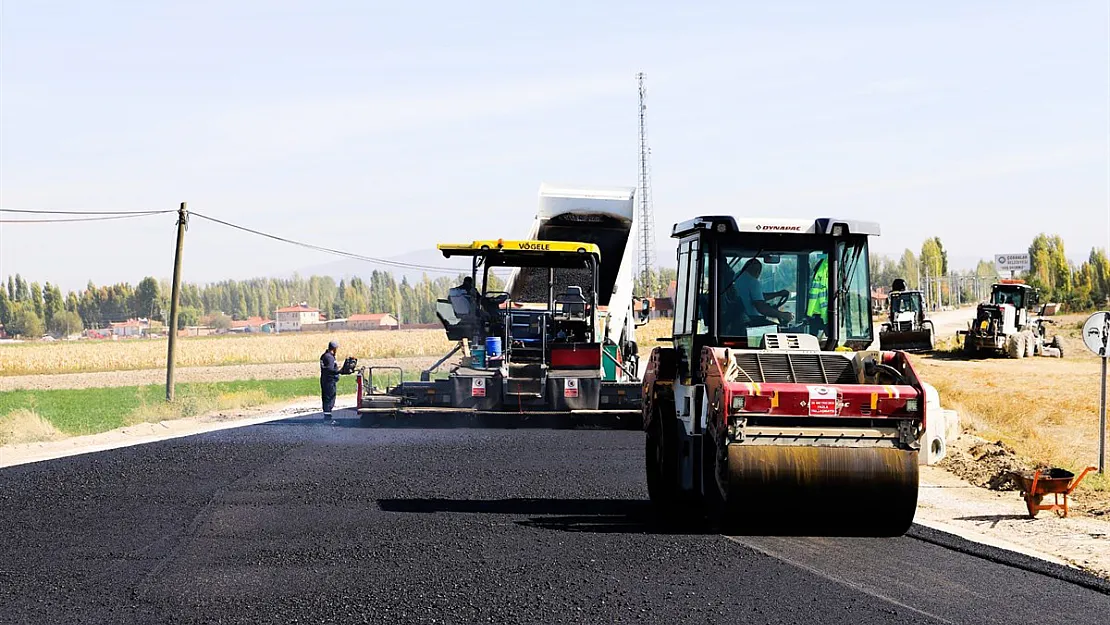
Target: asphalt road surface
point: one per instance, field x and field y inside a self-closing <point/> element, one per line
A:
<point x="300" y="522"/>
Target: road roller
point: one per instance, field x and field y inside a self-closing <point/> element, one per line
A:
<point x="772" y="409"/>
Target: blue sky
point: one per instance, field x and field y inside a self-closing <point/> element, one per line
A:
<point x="383" y="129"/>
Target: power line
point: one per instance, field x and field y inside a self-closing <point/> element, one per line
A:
<point x="369" y="259"/>
<point x="81" y="212"/>
<point x="75" y="219"/>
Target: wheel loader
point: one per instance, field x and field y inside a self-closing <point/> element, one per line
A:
<point x="908" y="328"/>
<point x="772" y="410"/>
<point x="1009" y="324"/>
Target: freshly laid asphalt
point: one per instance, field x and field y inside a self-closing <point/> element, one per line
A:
<point x="297" y="521"/>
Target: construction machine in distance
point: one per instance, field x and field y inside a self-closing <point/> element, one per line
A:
<point x="772" y="422"/>
<point x="908" y="328"/>
<point x="530" y="356"/>
<point x="1008" y="324"/>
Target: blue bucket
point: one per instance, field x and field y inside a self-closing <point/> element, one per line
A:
<point x="493" y="346"/>
<point x="478" y="357"/>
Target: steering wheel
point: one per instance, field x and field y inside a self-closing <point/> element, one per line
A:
<point x="778" y="300"/>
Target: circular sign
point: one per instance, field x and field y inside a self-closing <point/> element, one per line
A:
<point x="1096" y="333"/>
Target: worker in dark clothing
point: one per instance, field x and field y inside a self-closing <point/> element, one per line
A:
<point x="329" y="378"/>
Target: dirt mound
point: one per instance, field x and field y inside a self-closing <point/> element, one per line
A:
<point x="25" y="426"/>
<point x="984" y="463"/>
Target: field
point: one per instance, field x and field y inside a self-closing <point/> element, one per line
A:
<point x="126" y="355"/>
<point x="27" y="416"/>
<point x="1046" y="409"/>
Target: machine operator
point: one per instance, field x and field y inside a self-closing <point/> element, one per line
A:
<point x="753" y="299"/>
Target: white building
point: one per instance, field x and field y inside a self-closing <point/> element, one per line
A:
<point x="291" y="318"/>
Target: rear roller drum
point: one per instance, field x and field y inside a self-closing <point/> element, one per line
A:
<point x="832" y="491"/>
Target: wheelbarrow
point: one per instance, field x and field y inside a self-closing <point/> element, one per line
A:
<point x="1057" y="482"/>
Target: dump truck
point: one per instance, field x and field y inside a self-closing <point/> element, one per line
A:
<point x="527" y="356"/>
<point x="771" y="415"/>
<point x="606" y="217"/>
<point x="908" y="328"/>
<point x="1011" y="324"/>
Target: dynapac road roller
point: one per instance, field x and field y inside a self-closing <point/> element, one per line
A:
<point x="772" y="410"/>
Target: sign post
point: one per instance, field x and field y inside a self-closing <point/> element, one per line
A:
<point x="1011" y="263"/>
<point x="1096" y="336"/>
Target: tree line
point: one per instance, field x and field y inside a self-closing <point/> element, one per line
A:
<point x="1080" y="287"/>
<point x="31" y="310"/>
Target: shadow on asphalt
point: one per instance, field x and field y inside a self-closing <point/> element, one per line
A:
<point x="600" y="516"/>
<point x="995" y="517"/>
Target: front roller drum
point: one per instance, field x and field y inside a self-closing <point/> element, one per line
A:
<point x="820" y="490"/>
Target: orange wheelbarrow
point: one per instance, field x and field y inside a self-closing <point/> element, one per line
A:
<point x="1057" y="482"/>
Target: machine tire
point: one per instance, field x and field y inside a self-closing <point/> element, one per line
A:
<point x="1058" y="344"/>
<point x="1015" y="346"/>
<point x="1030" y="345"/>
<point x="661" y="464"/>
<point x="928" y="327"/>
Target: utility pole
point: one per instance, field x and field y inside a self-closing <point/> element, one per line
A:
<point x="647" y="214"/>
<point x="175" y="293"/>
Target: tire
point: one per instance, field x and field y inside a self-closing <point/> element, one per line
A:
<point x="1058" y="344"/>
<point x="661" y="465"/>
<point x="1015" y="346"/>
<point x="932" y="335"/>
<point x="1030" y="345"/>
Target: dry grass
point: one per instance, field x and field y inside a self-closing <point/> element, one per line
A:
<point x="1045" y="408"/>
<point x="86" y="356"/>
<point x="289" y="347"/>
<point x="26" y="426"/>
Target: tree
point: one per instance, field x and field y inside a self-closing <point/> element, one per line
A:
<point x="147" y="299"/>
<point x="52" y="303"/>
<point x="909" y="269"/>
<point x="25" y="322"/>
<point x="219" y="320"/>
<point x="36" y="299"/>
<point x="934" y="258"/>
<point x="65" y="323"/>
<point x="1049" y="269"/>
<point x="5" y="308"/>
<point x="188" y="316"/>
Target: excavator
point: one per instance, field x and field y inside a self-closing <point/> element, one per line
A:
<point x="772" y="409"/>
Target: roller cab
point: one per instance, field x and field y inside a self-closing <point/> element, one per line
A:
<point x="771" y="409"/>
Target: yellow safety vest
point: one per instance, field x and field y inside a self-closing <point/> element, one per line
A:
<point x="819" y="294"/>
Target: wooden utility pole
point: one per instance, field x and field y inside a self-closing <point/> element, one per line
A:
<point x="182" y="223"/>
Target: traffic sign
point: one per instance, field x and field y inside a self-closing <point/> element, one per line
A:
<point x="1011" y="262"/>
<point x="1096" y="333"/>
<point x="1096" y="336"/>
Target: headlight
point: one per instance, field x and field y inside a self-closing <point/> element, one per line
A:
<point x="737" y="403"/>
<point x="912" y="405"/>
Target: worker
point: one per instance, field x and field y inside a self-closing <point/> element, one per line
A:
<point x="753" y="299"/>
<point x="818" y="305"/>
<point x="329" y="378"/>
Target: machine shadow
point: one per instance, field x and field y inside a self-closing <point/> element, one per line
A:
<point x="599" y="516"/>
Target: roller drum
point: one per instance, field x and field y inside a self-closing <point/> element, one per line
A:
<point x="813" y="490"/>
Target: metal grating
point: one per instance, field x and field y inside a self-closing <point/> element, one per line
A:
<point x="806" y="368"/>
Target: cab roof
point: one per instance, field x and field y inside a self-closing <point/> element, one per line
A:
<point x="533" y="253"/>
<point x="727" y="224"/>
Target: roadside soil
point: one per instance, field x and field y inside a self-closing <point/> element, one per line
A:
<point x="223" y="373"/>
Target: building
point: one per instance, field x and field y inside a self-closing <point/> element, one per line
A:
<point x="372" y="321"/>
<point x="325" y="325"/>
<point x="291" y="318"/>
<point x="131" y="327"/>
<point x="252" y="324"/>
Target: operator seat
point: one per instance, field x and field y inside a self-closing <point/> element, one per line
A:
<point x="573" y="302"/>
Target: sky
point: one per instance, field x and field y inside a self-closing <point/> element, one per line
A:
<point x="383" y="129"/>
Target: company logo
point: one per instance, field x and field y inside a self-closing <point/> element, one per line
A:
<point x="775" y="228"/>
<point x="538" y="247"/>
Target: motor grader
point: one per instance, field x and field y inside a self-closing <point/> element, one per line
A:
<point x="1009" y="324"/>
<point x="777" y="415"/>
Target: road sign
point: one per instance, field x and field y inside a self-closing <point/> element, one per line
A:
<point x="1096" y="336"/>
<point x="1011" y="262"/>
<point x="1096" y="333"/>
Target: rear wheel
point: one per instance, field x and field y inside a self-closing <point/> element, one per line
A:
<point x="1058" y="344"/>
<point x="1030" y="345"/>
<point x="1015" y="346"/>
